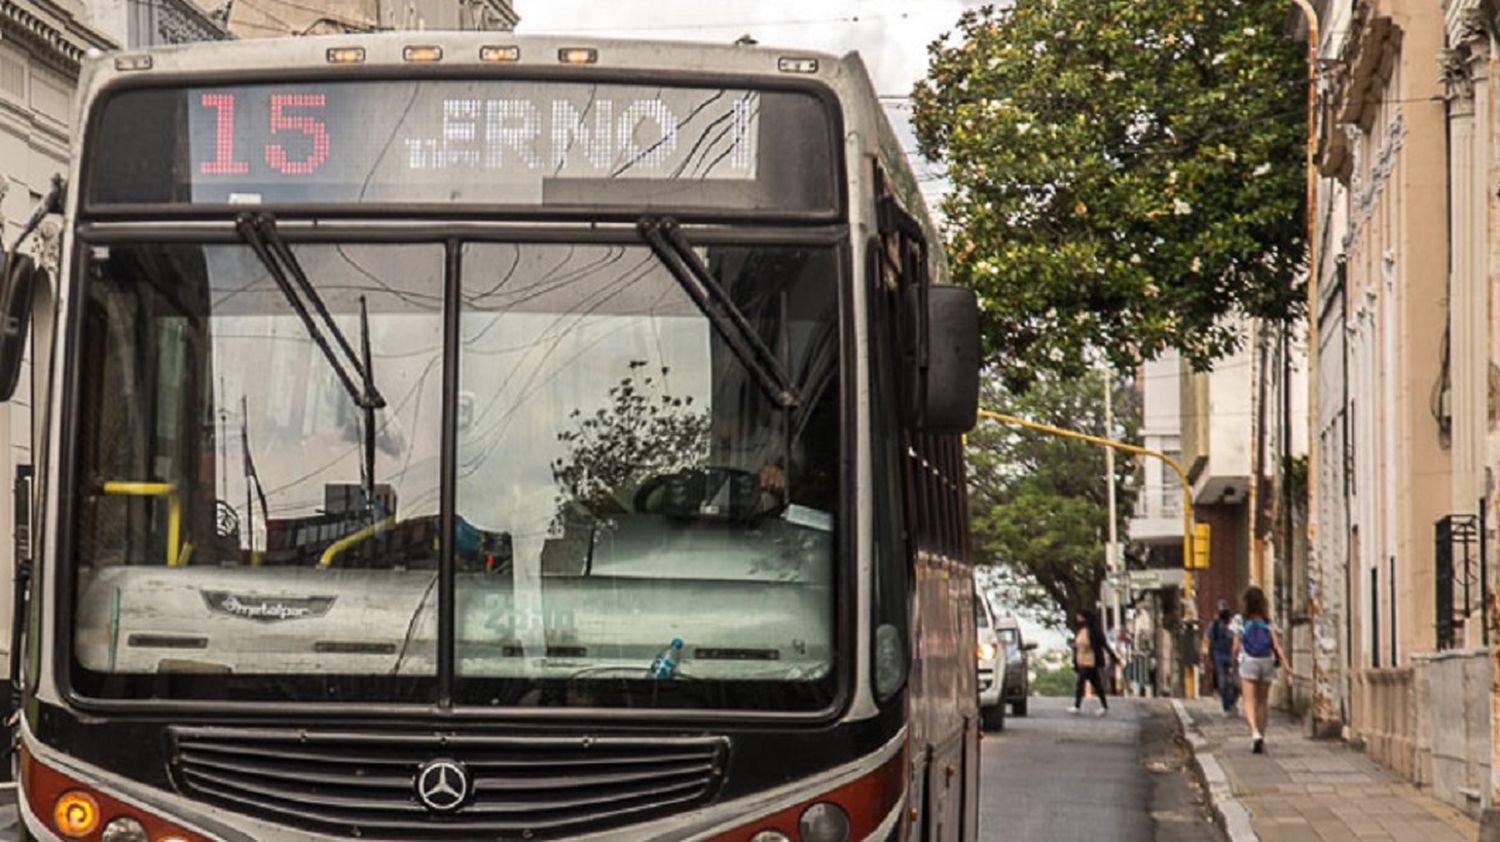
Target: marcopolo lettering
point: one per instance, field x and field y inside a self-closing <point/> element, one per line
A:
<point x="267" y="609"/>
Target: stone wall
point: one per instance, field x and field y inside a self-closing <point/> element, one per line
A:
<point x="1451" y="703"/>
<point x="1430" y="723"/>
<point x="1385" y="718"/>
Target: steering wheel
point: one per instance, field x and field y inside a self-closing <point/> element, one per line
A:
<point x="705" y="493"/>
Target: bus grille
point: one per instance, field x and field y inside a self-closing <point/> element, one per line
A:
<point x="365" y="785"/>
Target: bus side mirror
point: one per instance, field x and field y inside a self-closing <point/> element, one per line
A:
<point x="946" y="399"/>
<point x="15" y="317"/>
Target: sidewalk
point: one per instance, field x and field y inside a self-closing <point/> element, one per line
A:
<point x="1304" y="790"/>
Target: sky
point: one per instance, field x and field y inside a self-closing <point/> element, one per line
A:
<point x="891" y="35"/>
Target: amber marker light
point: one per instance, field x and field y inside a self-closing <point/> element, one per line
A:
<point x="76" y="814"/>
<point x="424" y="55"/>
<point x="792" y="64"/>
<point x="499" y="54"/>
<point x="578" y="55"/>
<point x="346" y="55"/>
<point x="136" y="62"/>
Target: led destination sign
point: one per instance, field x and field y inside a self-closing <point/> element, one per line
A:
<point x="452" y="141"/>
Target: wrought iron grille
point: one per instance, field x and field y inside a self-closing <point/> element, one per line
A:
<point x="1461" y="586"/>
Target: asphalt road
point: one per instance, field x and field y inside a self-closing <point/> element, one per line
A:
<point x="1053" y="777"/>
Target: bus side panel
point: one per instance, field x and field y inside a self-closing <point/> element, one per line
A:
<point x="944" y="720"/>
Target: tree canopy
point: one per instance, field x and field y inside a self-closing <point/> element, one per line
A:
<point x="1126" y="174"/>
<point x="1038" y="503"/>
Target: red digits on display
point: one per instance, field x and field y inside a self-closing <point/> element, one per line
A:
<point x="223" y="162"/>
<point x="312" y="127"/>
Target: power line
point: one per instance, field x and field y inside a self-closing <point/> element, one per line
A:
<point x="740" y="24"/>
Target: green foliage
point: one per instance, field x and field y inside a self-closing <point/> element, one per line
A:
<point x="1056" y="681"/>
<point x="641" y="432"/>
<point x="1126" y="174"/>
<point x="1038" y="503"/>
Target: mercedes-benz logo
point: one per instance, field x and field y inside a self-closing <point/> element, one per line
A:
<point x="443" y="785"/>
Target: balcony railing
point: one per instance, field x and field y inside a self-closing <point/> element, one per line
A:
<point x="1159" y="502"/>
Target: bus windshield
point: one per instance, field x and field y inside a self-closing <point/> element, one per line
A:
<point x="623" y="487"/>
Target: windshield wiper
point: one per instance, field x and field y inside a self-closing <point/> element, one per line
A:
<point x="260" y="232"/>
<point x="672" y="248"/>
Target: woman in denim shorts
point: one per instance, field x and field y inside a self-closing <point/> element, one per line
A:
<point x="1257" y="647"/>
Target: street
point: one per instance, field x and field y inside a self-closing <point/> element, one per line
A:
<point x="1052" y="776"/>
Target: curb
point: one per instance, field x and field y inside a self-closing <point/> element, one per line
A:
<point x="1232" y="816"/>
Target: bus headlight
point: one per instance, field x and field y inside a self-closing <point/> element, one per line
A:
<point x="76" y="814"/>
<point x="770" y="836"/>
<point x="824" y="822"/>
<point x="986" y="651"/>
<point x="75" y="809"/>
<point x="124" y="829"/>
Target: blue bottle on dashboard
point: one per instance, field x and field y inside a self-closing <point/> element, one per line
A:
<point x="664" y="665"/>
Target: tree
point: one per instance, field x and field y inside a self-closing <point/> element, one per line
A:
<point x="1126" y="174"/>
<point x="1038" y="503"/>
<point x="641" y="432"/>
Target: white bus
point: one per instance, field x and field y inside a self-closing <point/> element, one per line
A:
<point x="453" y="436"/>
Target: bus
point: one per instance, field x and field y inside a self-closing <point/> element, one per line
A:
<point x="471" y="436"/>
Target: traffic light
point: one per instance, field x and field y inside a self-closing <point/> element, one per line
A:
<point x="1201" y="535"/>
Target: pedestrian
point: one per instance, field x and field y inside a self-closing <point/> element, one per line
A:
<point x="1218" y="648"/>
<point x="1090" y="648"/>
<point x="1258" y="650"/>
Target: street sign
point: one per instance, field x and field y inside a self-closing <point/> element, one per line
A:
<point x="1154" y="579"/>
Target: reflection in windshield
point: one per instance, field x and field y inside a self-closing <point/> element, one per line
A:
<point x="225" y="421"/>
<point x="651" y="489"/>
<point x="621" y="479"/>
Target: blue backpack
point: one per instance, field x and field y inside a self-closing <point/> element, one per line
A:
<point x="1255" y="640"/>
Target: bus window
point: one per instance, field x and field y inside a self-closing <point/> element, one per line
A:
<point x="221" y="526"/>
<point x="652" y="489"/>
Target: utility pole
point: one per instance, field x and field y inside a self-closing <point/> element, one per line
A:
<point x="1112" y="548"/>
<point x="1111" y="558"/>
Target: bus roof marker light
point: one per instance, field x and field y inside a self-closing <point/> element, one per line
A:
<point x="423" y="54"/>
<point x="135" y="62"/>
<point x="578" y="55"/>
<point x="789" y="64"/>
<point x="346" y="55"/>
<point x="76" y="814"/>
<point x="499" y="54"/>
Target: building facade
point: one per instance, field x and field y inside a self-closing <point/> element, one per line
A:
<point x="1403" y="389"/>
<point x="41" y="46"/>
<point x="1215" y="408"/>
<point x="151" y="23"/>
<point x="1155" y="528"/>
<point x="275" y="18"/>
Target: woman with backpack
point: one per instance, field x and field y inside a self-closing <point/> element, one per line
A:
<point x="1257" y="647"/>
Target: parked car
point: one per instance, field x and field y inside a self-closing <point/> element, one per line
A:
<point x="1017" y="681"/>
<point x="991" y="659"/>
